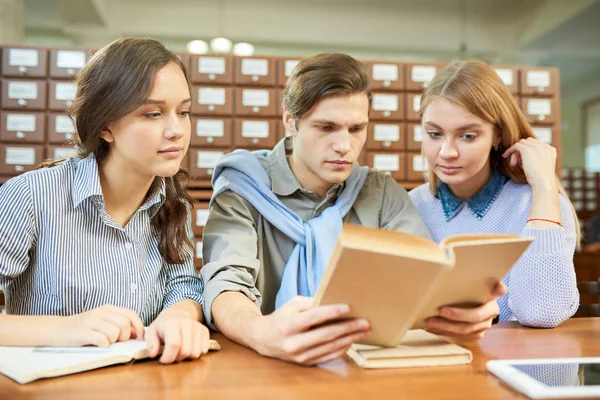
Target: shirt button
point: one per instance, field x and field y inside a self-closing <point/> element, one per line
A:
<point x="128" y="246"/>
<point x="133" y="287"/>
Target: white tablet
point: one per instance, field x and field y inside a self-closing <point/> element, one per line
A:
<point x="551" y="378"/>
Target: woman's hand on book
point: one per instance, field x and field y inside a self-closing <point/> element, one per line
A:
<point x="300" y="333"/>
<point x="467" y="323"/>
<point x="182" y="336"/>
<point x="100" y="327"/>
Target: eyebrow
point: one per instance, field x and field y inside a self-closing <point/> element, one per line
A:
<point x="152" y="101"/>
<point x="462" y="128"/>
<point x="326" y="122"/>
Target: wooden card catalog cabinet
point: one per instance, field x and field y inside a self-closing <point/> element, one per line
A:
<point x="414" y="136"/>
<point x="255" y="71"/>
<point x="22" y="127"/>
<point x="413" y="107"/>
<point x="386" y="76"/>
<point x="20" y="94"/>
<point x="24" y="62"/>
<point x="545" y="134"/>
<point x="18" y="158"/>
<point x="199" y="218"/>
<point x="202" y="162"/>
<point x="255" y="102"/>
<point x="393" y="164"/>
<point x="212" y="69"/>
<point x="212" y="100"/>
<point x="284" y="70"/>
<point x="198" y="254"/>
<point x="279" y="102"/>
<point x="540" y="110"/>
<point x="61" y="95"/>
<point x="539" y="81"/>
<point x="387" y="107"/>
<point x="254" y="133"/>
<point x="66" y="63"/>
<point x="418" y="76"/>
<point x="212" y="132"/>
<point x="61" y="128"/>
<point x="510" y="77"/>
<point x="60" y="152"/>
<point x="417" y="167"/>
<point x="382" y="136"/>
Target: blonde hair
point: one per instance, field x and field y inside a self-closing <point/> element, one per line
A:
<point x="477" y="88"/>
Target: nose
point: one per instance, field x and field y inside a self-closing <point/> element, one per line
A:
<point x="174" y="127"/>
<point x="448" y="149"/>
<point x="341" y="142"/>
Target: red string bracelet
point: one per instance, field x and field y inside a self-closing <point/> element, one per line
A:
<point x="545" y="220"/>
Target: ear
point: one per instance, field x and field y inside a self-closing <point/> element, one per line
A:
<point x="107" y="134"/>
<point x="289" y="122"/>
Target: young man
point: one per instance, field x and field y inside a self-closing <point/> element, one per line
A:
<point x="275" y="217"/>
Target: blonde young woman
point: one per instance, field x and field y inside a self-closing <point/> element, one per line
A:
<point x="489" y="174"/>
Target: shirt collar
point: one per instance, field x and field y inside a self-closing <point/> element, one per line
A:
<point x="283" y="180"/>
<point x="87" y="185"/>
<point x="479" y="203"/>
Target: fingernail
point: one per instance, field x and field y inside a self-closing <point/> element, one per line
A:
<point x="363" y="323"/>
<point x="344" y="308"/>
<point x="445" y="312"/>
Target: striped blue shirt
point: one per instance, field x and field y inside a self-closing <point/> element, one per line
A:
<point x="62" y="254"/>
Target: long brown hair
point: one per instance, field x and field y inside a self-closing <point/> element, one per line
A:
<point x="321" y="76"/>
<point x="116" y="81"/>
<point x="476" y="87"/>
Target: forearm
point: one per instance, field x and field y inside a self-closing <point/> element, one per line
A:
<point x="187" y="306"/>
<point x="545" y="204"/>
<point x="29" y="331"/>
<point x="237" y="317"/>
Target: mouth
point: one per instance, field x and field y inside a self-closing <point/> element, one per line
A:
<point x="449" y="169"/>
<point x="171" y="150"/>
<point x="340" y="162"/>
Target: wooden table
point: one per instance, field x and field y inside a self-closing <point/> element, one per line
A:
<point x="238" y="373"/>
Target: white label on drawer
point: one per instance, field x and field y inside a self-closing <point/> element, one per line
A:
<point x="422" y="73"/>
<point x="419" y="164"/>
<point x="577" y="184"/>
<point x="385" y="102"/>
<point x="588" y="184"/>
<point x="578" y="205"/>
<point x="211" y="65"/>
<point x="539" y="107"/>
<point x="22" y="90"/>
<point x="418" y="133"/>
<point x="65" y="91"/>
<point x="386" y="162"/>
<point x="591" y="206"/>
<point x="577" y="173"/>
<point x="289" y="66"/>
<point x="23" y="58"/>
<point x="70" y="59"/>
<point x="63" y="124"/>
<point x="417" y="103"/>
<point x="20" y="123"/>
<point x="210" y="128"/>
<point x="20" y="156"/>
<point x="577" y="194"/>
<point x="201" y="217"/>
<point x="386" y="133"/>
<point x="255" y="66"/>
<point x="199" y="249"/>
<point x="506" y="75"/>
<point x="64" y="152"/>
<point x="543" y="134"/>
<point x="255" y="98"/>
<point x="590" y="174"/>
<point x="537" y="79"/>
<point x="385" y="72"/>
<point x="255" y="129"/>
<point x="208" y="159"/>
<point x="591" y="195"/>
<point x="212" y="96"/>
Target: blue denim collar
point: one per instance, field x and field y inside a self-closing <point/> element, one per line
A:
<point x="479" y="203"/>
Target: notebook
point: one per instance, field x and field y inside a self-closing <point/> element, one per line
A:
<point x="417" y="349"/>
<point x="27" y="364"/>
<point x="395" y="280"/>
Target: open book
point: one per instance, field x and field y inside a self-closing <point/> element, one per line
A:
<point x="27" y="364"/>
<point x="395" y="280"/>
<point x="417" y="349"/>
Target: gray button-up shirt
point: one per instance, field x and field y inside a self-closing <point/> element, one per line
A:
<point x="243" y="252"/>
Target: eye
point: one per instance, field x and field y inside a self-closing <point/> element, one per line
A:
<point x="185" y="113"/>
<point x="434" y="134"/>
<point x="469" y="137"/>
<point x="325" y="128"/>
<point x="152" y="115"/>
